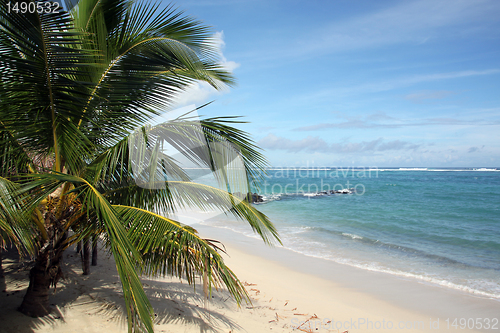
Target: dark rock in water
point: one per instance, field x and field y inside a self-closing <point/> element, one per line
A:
<point x="254" y="197"/>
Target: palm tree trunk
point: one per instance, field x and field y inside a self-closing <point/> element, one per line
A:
<point x="46" y="272"/>
<point x="1" y="258"/>
<point x="79" y="247"/>
<point x="86" y="257"/>
<point x="3" y="286"/>
<point x="94" y="251"/>
<point x="36" y="300"/>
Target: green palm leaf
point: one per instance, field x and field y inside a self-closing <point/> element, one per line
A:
<point x="74" y="87"/>
<point x="126" y="256"/>
<point x="13" y="227"/>
<point x="167" y="247"/>
<point x="160" y="53"/>
<point x="39" y="60"/>
<point x="179" y="195"/>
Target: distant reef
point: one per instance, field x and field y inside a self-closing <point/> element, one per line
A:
<point x="254" y="197"/>
<point x="250" y="197"/>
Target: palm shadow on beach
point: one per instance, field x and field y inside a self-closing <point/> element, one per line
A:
<point x="3" y="286"/>
<point x="13" y="286"/>
<point x="178" y="303"/>
<point x="100" y="294"/>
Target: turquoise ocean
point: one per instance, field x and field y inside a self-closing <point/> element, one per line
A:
<point x="435" y="226"/>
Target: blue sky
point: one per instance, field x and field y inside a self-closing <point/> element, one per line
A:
<point x="360" y="83"/>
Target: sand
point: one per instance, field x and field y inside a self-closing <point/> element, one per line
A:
<point x="289" y="293"/>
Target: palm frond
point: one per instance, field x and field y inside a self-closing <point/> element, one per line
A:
<point x="39" y="59"/>
<point x="14" y="159"/>
<point x="126" y="256"/>
<point x="167" y="247"/>
<point x="15" y="226"/>
<point x="159" y="51"/>
<point x="218" y="129"/>
<point x="112" y="168"/>
<point x="139" y="309"/>
<point x="74" y="87"/>
<point x="178" y="195"/>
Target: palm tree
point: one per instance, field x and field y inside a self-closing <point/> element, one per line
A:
<point x="75" y="87"/>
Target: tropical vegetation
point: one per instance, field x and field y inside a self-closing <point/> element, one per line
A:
<point x="76" y="85"/>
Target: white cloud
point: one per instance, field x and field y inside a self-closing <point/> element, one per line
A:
<point x="408" y="21"/>
<point x="421" y="96"/>
<point x="475" y="149"/>
<point x="197" y="93"/>
<point x="312" y="144"/>
<point x="384" y="85"/>
<point x="380" y="120"/>
<point x="450" y="75"/>
<point x="218" y="40"/>
<point x="200" y="92"/>
<point x="411" y="80"/>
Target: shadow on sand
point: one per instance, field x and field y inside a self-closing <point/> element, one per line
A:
<point x="13" y="284"/>
<point x="100" y="294"/>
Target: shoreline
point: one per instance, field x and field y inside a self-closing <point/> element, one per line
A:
<point x="289" y="292"/>
<point x="308" y="255"/>
<point x="413" y="297"/>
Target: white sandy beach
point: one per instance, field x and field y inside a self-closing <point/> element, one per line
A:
<point x="290" y="293"/>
